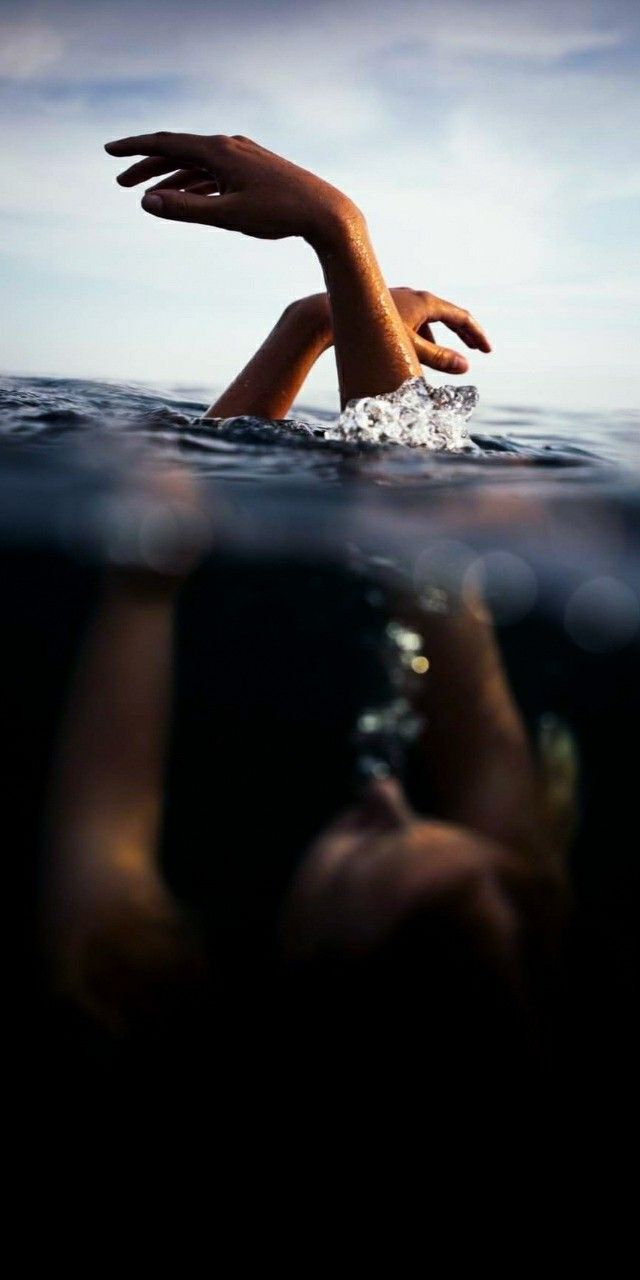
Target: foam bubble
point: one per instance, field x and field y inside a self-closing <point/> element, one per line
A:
<point x="416" y="414"/>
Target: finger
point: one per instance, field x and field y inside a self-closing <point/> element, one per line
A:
<point x="182" y="206"/>
<point x="185" y="148"/>
<point x="464" y="326"/>
<point x="144" y="170"/>
<point x="209" y="188"/>
<point x="437" y="357"/>
<point x="184" y="179"/>
<point x="460" y="321"/>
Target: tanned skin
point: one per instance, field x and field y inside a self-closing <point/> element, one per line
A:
<point x="270" y="382"/>
<point x="235" y="184"/>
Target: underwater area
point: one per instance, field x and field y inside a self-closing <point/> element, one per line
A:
<point x="319" y="565"/>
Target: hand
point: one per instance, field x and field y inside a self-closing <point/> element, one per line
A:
<point x="418" y="310"/>
<point x="129" y="960"/>
<point x="234" y="183"/>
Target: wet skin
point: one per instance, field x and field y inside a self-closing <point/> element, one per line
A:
<point x="272" y="379"/>
<point x="233" y="183"/>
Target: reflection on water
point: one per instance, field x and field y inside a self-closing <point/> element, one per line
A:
<point x="466" y="622"/>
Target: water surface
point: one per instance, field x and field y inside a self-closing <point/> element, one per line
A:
<point x="542" y="516"/>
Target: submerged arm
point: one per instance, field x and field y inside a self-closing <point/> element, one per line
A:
<point x="117" y="945"/>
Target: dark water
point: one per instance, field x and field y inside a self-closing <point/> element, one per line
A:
<point x="67" y="439"/>
<point x="59" y="410"/>
<point x="560" y="492"/>
<point x="544" y="516"/>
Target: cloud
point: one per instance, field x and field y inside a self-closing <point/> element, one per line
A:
<point x="279" y="42"/>
<point x="27" y="48"/>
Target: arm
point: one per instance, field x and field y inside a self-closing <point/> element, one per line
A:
<point x="117" y="945"/>
<point x="374" y="353"/>
<point x="474" y="745"/>
<point x="262" y="195"/>
<point x="271" y="380"/>
<point x="108" y="776"/>
<point x="475" y="757"/>
<point x="490" y="868"/>
<point x="358" y="307"/>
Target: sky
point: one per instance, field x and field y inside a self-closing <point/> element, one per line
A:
<point x="494" y="148"/>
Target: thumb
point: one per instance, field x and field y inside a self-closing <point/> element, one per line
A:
<point x="180" y="206"/>
<point x="436" y="357"/>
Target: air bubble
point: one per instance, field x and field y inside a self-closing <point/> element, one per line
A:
<point x="602" y="615"/>
<point x="501" y="584"/>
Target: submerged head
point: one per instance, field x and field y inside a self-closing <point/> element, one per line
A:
<point x="380" y="866"/>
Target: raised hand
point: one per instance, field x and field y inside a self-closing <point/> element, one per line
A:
<point x="234" y="183"/>
<point x="418" y="309"/>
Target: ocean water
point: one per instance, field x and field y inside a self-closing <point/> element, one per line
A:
<point x="541" y="515"/>
<point x="559" y="490"/>
<point x="520" y="446"/>
<point x="60" y="410"/>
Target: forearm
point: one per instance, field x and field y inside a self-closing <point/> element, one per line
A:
<point x="108" y="782"/>
<point x="270" y="382"/>
<point x="475" y="748"/>
<point x="374" y="351"/>
<point x="118" y="947"/>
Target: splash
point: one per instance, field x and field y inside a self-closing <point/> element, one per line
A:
<point x="416" y="414"/>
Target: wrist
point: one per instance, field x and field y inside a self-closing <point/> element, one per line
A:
<point x="336" y="228"/>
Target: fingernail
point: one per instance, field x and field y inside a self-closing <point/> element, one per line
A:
<point x="108" y="146"/>
<point x="459" y="365"/>
<point x="152" y="204"/>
